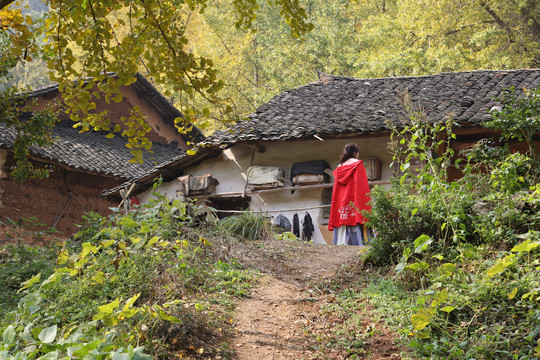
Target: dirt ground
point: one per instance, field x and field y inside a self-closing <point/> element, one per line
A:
<point x="278" y="321"/>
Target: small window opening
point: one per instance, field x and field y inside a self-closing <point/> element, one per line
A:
<point x="230" y="204"/>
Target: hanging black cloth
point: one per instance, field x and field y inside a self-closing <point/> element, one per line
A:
<point x="296" y="225"/>
<point x="307" y="228"/>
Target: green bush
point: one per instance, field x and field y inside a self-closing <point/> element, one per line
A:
<point x="511" y="207"/>
<point x="421" y="200"/>
<point x="128" y="281"/>
<point x="480" y="307"/>
<point x="397" y="219"/>
<point x="18" y="263"/>
<point x="476" y="269"/>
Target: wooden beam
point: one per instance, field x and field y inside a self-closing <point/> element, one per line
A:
<point x="256" y="146"/>
<point x="279" y="189"/>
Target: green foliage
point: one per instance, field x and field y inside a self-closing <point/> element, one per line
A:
<point x="510" y="210"/>
<point x="218" y="73"/>
<point x="398" y="219"/>
<point x="18" y="263"/>
<point x="477" y="306"/>
<point x="248" y="225"/>
<point x="422" y="200"/>
<point x="361" y="38"/>
<point x="518" y="118"/>
<point x="94" y="48"/>
<point x="17" y="46"/>
<point x="476" y="269"/>
<point x="27" y="73"/>
<point x="129" y="281"/>
<point x="426" y="37"/>
<point x="35" y="130"/>
<point x="30" y="335"/>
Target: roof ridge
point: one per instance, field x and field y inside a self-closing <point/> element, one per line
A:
<point x="429" y="75"/>
<point x="337" y="105"/>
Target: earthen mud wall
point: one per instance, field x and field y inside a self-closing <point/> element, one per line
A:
<point x="58" y="201"/>
<point x="161" y="132"/>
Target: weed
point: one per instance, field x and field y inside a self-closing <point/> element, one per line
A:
<point x="18" y="263"/>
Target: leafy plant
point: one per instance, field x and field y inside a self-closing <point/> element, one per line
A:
<point x="398" y="219"/>
<point x="475" y="267"/>
<point x="129" y="281"/>
<point x="518" y="117"/>
<point x="480" y="313"/>
<point x="422" y="200"/>
<point x="248" y="225"/>
<point x="18" y="263"/>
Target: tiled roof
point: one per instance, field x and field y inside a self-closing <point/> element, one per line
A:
<point x="93" y="152"/>
<point x="339" y="105"/>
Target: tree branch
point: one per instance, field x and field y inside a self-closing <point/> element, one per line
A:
<point x="464" y="27"/>
<point x="498" y="20"/>
<point x="531" y="22"/>
<point x="5" y="3"/>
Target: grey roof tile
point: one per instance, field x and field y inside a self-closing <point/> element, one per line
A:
<point x="347" y="105"/>
<point x="93" y="152"/>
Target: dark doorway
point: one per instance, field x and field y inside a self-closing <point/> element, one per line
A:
<point x="229" y="205"/>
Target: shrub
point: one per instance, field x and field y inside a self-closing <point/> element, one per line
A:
<point x="398" y="220"/>
<point x="478" y="307"/>
<point x="18" y="263"/>
<point x="421" y="200"/>
<point x="509" y="207"/>
<point x="477" y="268"/>
<point x="129" y="281"/>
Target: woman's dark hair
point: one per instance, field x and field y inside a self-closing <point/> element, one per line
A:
<point x="348" y="152"/>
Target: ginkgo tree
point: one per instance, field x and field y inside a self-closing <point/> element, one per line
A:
<point x="400" y="37"/>
<point x="88" y="40"/>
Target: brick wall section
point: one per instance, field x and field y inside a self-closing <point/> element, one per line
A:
<point x="45" y="199"/>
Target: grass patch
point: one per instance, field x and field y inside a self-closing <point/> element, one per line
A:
<point x="248" y="225"/>
<point x="357" y="305"/>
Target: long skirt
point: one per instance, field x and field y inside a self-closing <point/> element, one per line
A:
<point x="351" y="235"/>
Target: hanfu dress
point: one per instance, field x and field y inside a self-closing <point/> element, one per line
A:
<point x="350" y="204"/>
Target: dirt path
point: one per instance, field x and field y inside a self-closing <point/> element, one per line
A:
<point x="280" y="317"/>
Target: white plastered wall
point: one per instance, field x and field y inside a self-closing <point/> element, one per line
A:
<point x="229" y="169"/>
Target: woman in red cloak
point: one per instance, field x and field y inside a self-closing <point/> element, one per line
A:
<point x="350" y="199"/>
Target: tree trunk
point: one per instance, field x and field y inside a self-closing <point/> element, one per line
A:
<point x="255" y="68"/>
<point x="498" y="20"/>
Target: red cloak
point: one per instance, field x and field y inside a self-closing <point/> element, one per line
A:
<point x="350" y="196"/>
